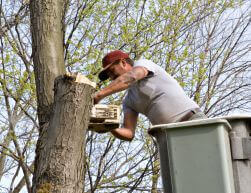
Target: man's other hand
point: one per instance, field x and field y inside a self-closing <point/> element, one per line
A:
<point x="97" y="98"/>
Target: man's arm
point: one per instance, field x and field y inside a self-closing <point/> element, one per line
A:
<point x="121" y="83"/>
<point x="128" y="131"/>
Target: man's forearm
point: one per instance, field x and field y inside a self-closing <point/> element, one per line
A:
<point x="123" y="133"/>
<point x="121" y="83"/>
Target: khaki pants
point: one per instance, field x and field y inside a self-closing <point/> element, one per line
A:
<point x="199" y="115"/>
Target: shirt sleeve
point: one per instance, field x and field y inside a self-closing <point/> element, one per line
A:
<point x="149" y="65"/>
<point x="126" y="104"/>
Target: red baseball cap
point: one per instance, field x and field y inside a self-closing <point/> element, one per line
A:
<point x="108" y="60"/>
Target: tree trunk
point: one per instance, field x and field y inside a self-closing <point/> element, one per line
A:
<point x="47" y="51"/>
<point x="59" y="162"/>
<point x="60" y="149"/>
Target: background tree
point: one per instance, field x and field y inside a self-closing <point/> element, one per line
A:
<point x="64" y="117"/>
<point x="203" y="44"/>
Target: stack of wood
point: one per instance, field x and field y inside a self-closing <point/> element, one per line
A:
<point x="104" y="118"/>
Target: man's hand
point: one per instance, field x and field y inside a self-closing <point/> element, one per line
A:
<point x="102" y="131"/>
<point x="97" y="98"/>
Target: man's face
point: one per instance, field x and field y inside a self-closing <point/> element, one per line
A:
<point x="117" y="69"/>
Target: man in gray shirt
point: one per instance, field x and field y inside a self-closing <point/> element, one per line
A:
<point x="150" y="91"/>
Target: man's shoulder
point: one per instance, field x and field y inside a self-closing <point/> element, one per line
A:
<point x="148" y="64"/>
<point x="142" y="62"/>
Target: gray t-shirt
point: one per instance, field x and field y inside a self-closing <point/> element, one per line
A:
<point x="158" y="96"/>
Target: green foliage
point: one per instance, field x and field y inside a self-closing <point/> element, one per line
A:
<point x="191" y="39"/>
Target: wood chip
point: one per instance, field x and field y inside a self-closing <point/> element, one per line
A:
<point x="77" y="77"/>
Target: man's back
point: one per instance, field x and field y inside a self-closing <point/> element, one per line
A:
<point x="158" y="96"/>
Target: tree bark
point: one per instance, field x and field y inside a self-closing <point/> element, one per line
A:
<point x="47" y="51"/>
<point x="59" y="164"/>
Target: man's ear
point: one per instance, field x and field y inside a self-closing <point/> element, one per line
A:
<point x="124" y="63"/>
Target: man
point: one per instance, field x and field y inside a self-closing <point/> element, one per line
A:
<point x="151" y="91"/>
